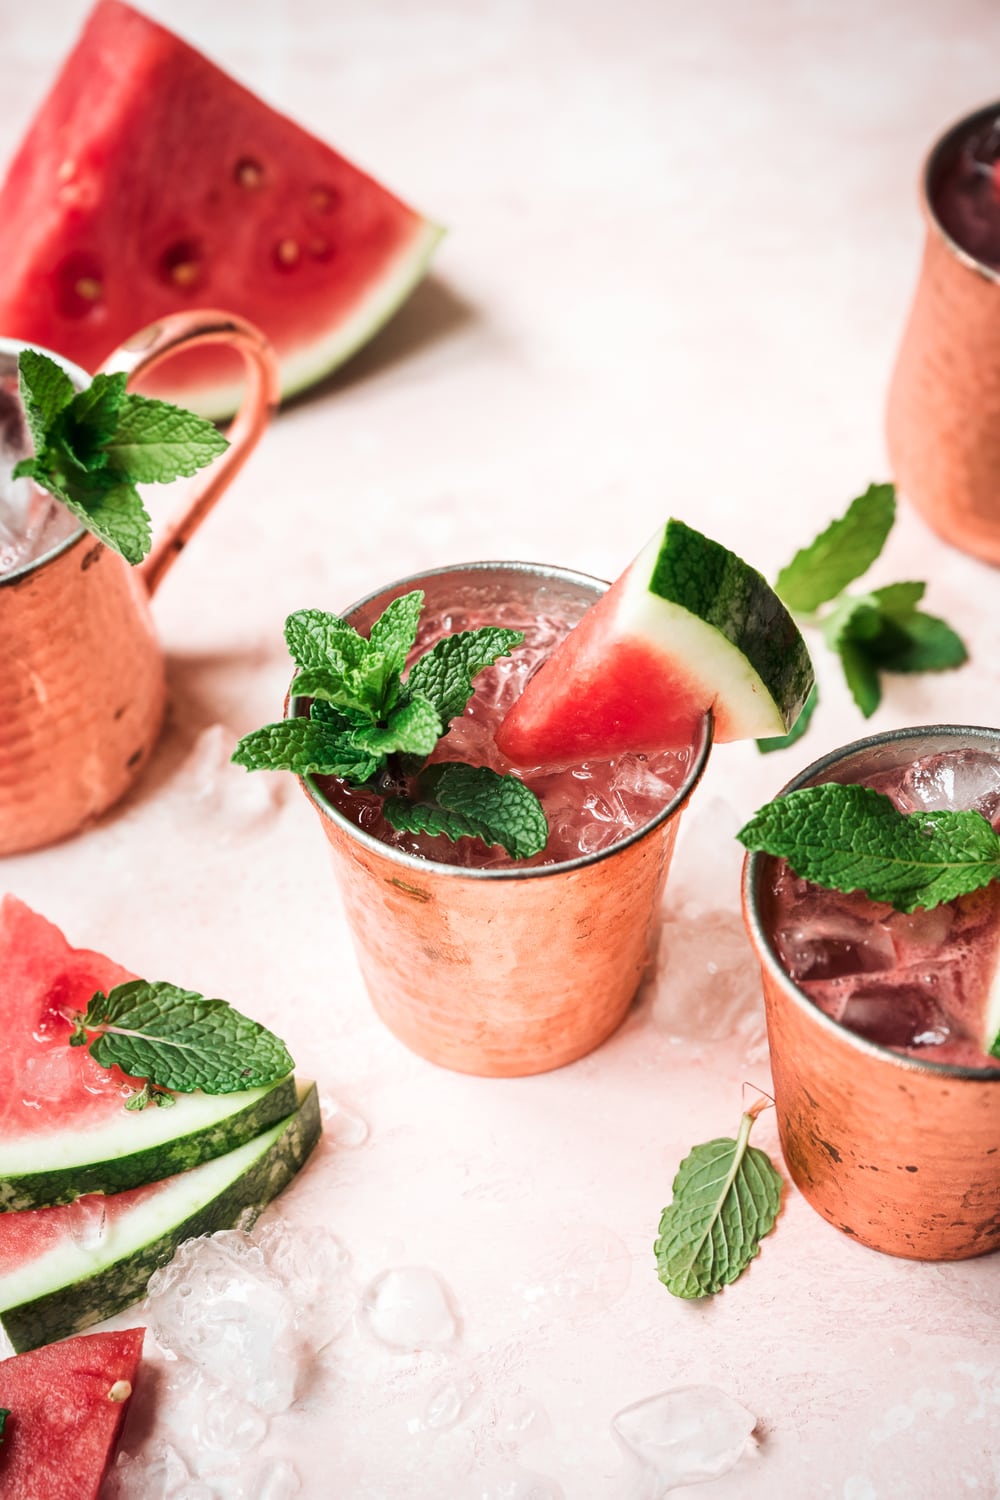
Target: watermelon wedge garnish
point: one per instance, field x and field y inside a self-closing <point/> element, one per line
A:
<point x="689" y="628"/>
<point x="67" y="1404"/>
<point x="150" y="182"/>
<point x="64" y="1269"/>
<point x="64" y="1129"/>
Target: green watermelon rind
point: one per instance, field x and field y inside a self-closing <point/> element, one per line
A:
<point x="709" y="605"/>
<point x="236" y="1189"/>
<point x="305" y="367"/>
<point x="44" y="1171"/>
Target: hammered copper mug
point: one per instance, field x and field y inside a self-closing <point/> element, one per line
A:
<point x="82" y="680"/>
<point x="943" y="417"/>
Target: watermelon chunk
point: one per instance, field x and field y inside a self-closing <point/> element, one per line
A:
<point x="67" y="1404"/>
<point x="150" y="182"/>
<point x="64" y="1129"/>
<point x="687" y="629"/>
<point x="64" y="1269"/>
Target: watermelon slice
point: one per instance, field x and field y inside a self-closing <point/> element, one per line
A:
<point x="67" y="1404"/>
<point x="688" y="628"/>
<point x="151" y="183"/>
<point x="64" y="1129"/>
<point x="64" y="1269"/>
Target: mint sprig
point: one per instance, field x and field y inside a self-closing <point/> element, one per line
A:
<point x="179" y="1040"/>
<point x="370" y="726"/>
<point x="726" y="1198"/>
<point x="872" y="633"/>
<point x="851" y="838"/>
<point x="92" y="447"/>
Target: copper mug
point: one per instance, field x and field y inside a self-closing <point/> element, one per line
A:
<point x="510" y="971"/>
<point x="82" y="680"/>
<point x="899" y="1153"/>
<point x="943" y="418"/>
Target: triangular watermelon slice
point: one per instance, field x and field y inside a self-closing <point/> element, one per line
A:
<point x="64" y="1129"/>
<point x="150" y="182"/>
<point x="687" y="629"/>
<point x="63" y="1269"/>
<point x="67" y="1404"/>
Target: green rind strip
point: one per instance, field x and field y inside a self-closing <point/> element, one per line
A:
<point x="72" y="1308"/>
<point x="713" y="584"/>
<point x="49" y="1186"/>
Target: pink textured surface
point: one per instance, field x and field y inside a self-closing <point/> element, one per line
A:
<point x="682" y="247"/>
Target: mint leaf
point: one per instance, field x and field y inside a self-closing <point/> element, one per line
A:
<point x="861" y="675"/>
<point x="917" y="643"/>
<point x="726" y="1197"/>
<point x="352" y="691"/>
<point x="155" y="443"/>
<point x="897" y="601"/>
<point x="412" y="729"/>
<point x="177" y="1039"/>
<point x="841" y="553"/>
<point x="4" y="1414"/>
<point x="89" y="421"/>
<point x="798" y="729"/>
<point x="851" y="838"/>
<point x="93" y="446"/>
<point x="318" y="639"/>
<point x="305" y="746"/>
<point x="444" y="674"/>
<point x="395" y="632"/>
<point x="503" y="809"/>
<point x="45" y="390"/>
<point x="427" y="817"/>
<point x="150" y="1093"/>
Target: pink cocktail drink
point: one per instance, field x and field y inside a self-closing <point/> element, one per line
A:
<point x="964" y="188"/>
<point x="917" y="982"/>
<point x="589" y="807"/>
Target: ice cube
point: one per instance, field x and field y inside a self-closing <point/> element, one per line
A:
<point x="448" y="1403"/>
<point x="314" y="1268"/>
<point x="684" y="1436"/>
<point x="224" y="792"/>
<point x="274" y="1479"/>
<point x="86" y="1218"/>
<point x="708" y="859"/>
<point x="957" y="779"/>
<point x="896" y="1015"/>
<point x="512" y="1483"/>
<point x="835" y="940"/>
<point x="409" y="1308"/>
<point x="158" y="1474"/>
<point x="342" y="1125"/>
<point x="707" y="983"/>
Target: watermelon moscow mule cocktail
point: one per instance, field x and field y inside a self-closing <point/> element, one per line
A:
<point x="881" y="1021"/>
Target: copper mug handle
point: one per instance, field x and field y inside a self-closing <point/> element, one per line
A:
<point x="262" y="392"/>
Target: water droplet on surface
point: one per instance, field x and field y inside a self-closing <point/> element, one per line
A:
<point x="684" y="1436"/>
<point x="448" y="1402"/>
<point x="521" y="1421"/>
<point x="86" y="1219"/>
<point x="409" y="1308"/>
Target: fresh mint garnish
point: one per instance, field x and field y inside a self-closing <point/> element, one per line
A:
<point x="92" y="447"/>
<point x="726" y="1198"/>
<point x="851" y="838"/>
<point x="874" y="632"/>
<point x="372" y="727"/>
<point x="179" y="1040"/>
<point x="463" y="801"/>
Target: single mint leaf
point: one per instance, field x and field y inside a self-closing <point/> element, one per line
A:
<point x="155" y="442"/>
<point x="861" y="675"/>
<point x="177" y="1039"/>
<point x="45" y="390"/>
<point x="412" y="729"/>
<point x="116" y="515"/>
<point x="318" y="639"/>
<point x="857" y="617"/>
<point x="503" y="810"/>
<point x="84" y="427"/>
<point x="305" y="746"/>
<point x="395" y="632"/>
<point x="426" y="817"/>
<point x="845" y="550"/>
<point x="798" y="729"/>
<point x="850" y="838"/>
<point x="726" y="1197"/>
<point x="344" y="690"/>
<point x="444" y="674"/>
<point x="917" y="643"/>
<point x="897" y="601"/>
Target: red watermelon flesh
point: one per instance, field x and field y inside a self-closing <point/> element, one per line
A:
<point x="150" y="182"/>
<point x="67" y="1403"/>
<point x="45" y="1084"/>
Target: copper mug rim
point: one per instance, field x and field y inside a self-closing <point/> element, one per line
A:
<point x="412" y="862"/>
<point x="932" y="162"/>
<point x="755" y="867"/>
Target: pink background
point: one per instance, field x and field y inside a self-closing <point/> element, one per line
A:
<point x="682" y="241"/>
